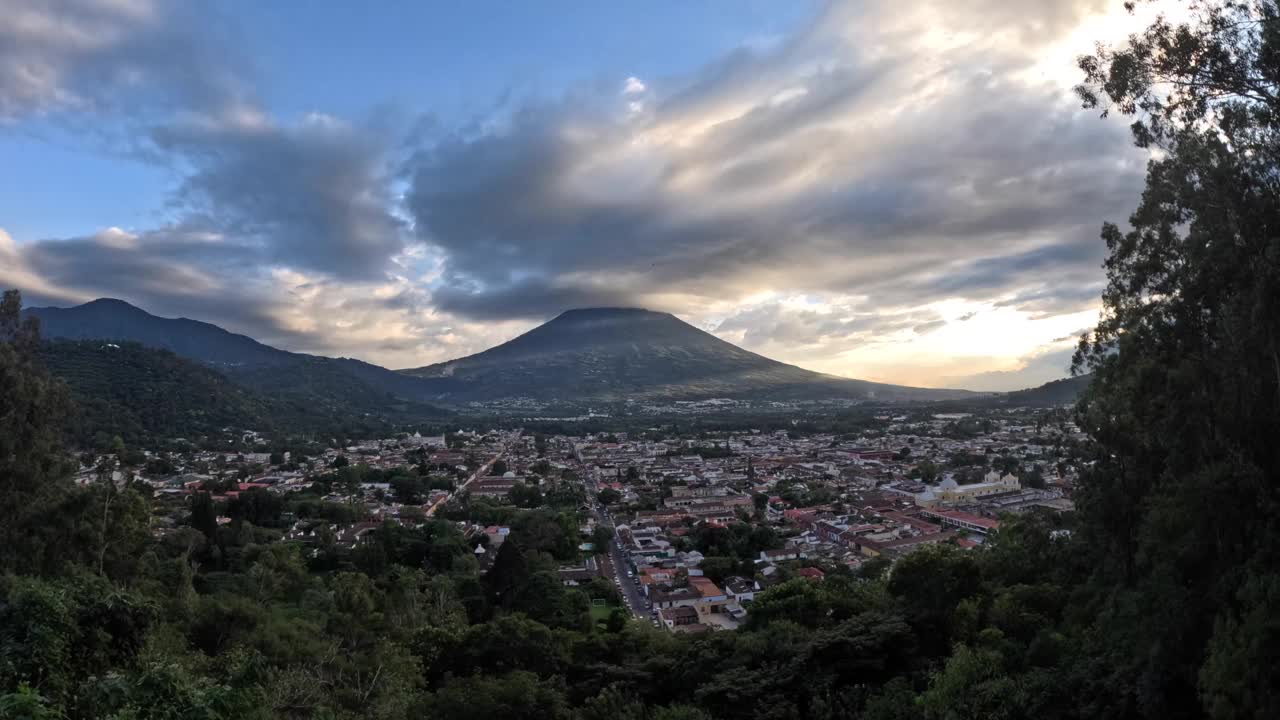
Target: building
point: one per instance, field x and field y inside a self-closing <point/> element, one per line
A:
<point x="963" y="521"/>
<point x="949" y="492"/>
<point x="678" y="616"/>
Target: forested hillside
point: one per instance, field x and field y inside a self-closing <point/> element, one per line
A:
<point x="145" y="396"/>
<point x="149" y="397"/>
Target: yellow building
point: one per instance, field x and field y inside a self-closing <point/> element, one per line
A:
<point x="950" y="492"/>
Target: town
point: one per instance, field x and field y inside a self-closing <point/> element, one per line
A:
<point x="677" y="530"/>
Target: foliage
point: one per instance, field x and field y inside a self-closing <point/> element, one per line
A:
<point x="1185" y="401"/>
<point x="149" y="396"/>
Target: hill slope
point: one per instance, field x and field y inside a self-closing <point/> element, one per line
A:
<point x="615" y="354"/>
<point x="149" y="395"/>
<point x="109" y="319"/>
<point x="1057" y="392"/>
<point x="143" y="394"/>
<point x="328" y="382"/>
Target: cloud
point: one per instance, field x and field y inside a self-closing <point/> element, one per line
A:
<point x="100" y="56"/>
<point x="862" y="157"/>
<point x="287" y="231"/>
<point x="864" y="197"/>
<point x="1031" y="371"/>
<point x="633" y="86"/>
<point x="188" y="272"/>
<point x="314" y="195"/>
<point x="774" y="325"/>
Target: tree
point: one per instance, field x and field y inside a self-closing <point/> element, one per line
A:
<point x="1034" y="478"/>
<point x="929" y="583"/>
<point x="258" y="506"/>
<point x="927" y="470"/>
<point x="515" y="696"/>
<point x="525" y="495"/>
<point x="407" y="489"/>
<point x="1185" y="400"/>
<point x="617" y="620"/>
<point x="499" y="468"/>
<point x="760" y="502"/>
<point x="32" y="467"/>
<point x="609" y="496"/>
<point x="718" y="568"/>
<point x="508" y="575"/>
<point x="601" y="536"/>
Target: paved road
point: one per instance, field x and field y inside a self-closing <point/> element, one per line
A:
<point x="615" y="562"/>
<point x="631" y="593"/>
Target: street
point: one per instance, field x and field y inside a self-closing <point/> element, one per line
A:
<point x="615" y="562"/>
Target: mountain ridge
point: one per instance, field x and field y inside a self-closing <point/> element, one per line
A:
<point x="328" y="382"/>
<point x="605" y="354"/>
<point x="625" y="353"/>
<point x="186" y="337"/>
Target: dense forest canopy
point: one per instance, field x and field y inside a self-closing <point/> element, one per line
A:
<point x="150" y="397"/>
<point x="1158" y="603"/>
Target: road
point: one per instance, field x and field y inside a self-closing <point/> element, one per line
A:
<point x="615" y="562"/>
<point x="480" y="472"/>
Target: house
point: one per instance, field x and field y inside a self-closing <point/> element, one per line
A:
<point x="783" y="555"/>
<point x="740" y="589"/>
<point x="683" y="597"/>
<point x="711" y="599"/>
<point x="497" y="534"/>
<point x="495" y="487"/>
<point x="963" y="520"/>
<point x="675" y="616"/>
<point x="811" y="573"/>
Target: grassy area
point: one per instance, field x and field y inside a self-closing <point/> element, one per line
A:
<point x="600" y="613"/>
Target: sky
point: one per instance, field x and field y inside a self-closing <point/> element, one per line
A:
<point x="903" y="191"/>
